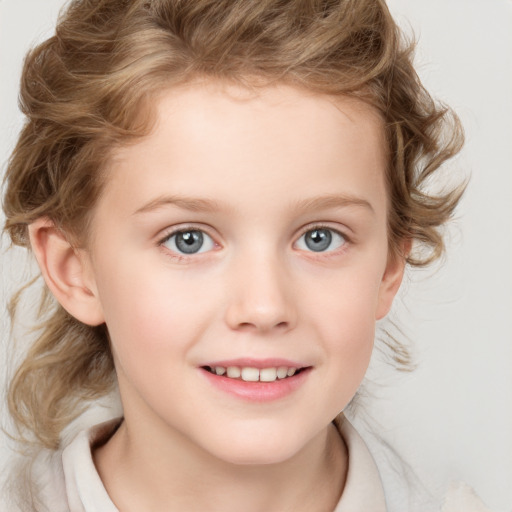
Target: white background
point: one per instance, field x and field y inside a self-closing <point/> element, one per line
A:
<point x="451" y="418"/>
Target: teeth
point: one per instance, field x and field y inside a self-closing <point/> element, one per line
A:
<point x="282" y="372"/>
<point x="234" y="372"/>
<point x="249" y="374"/>
<point x="268" y="375"/>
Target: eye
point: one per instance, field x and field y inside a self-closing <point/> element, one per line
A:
<point x="190" y="241"/>
<point x="321" y="240"/>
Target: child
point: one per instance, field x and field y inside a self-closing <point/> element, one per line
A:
<point x="222" y="198"/>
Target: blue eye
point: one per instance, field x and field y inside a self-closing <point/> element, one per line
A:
<point x="190" y="241"/>
<point x="321" y="240"/>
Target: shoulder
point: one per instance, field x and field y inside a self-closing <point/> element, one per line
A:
<point x="67" y="480"/>
<point x="84" y="489"/>
<point x="396" y="479"/>
<point x="363" y="489"/>
<point x="462" y="498"/>
<point x="44" y="487"/>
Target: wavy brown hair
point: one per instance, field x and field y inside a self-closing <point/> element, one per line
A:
<point x="88" y="89"/>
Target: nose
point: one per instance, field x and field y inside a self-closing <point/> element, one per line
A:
<point x="261" y="297"/>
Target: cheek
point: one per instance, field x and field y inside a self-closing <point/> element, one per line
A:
<point x="351" y="334"/>
<point x="156" y="316"/>
<point x="345" y="318"/>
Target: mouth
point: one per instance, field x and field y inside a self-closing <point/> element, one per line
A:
<point x="251" y="374"/>
<point x="257" y="380"/>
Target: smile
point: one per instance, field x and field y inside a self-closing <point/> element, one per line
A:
<point x="249" y="374"/>
<point x="256" y="381"/>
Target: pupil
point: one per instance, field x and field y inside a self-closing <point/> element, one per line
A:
<point x="189" y="242"/>
<point x="318" y="240"/>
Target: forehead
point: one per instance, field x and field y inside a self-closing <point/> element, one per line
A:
<point x="219" y="110"/>
<point x="221" y="141"/>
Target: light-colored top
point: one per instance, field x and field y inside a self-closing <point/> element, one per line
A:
<point x="72" y="484"/>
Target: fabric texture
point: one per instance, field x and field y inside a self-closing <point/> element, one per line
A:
<point x="70" y="482"/>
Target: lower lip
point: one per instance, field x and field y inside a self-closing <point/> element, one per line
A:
<point x="258" y="391"/>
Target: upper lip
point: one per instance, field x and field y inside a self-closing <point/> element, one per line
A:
<point x="247" y="362"/>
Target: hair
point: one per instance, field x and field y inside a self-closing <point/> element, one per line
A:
<point x="88" y="89"/>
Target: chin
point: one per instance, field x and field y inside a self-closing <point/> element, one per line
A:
<point x="273" y="449"/>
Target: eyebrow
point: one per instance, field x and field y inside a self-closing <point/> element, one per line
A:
<point x="209" y="205"/>
<point x="333" y="201"/>
<point x="192" y="204"/>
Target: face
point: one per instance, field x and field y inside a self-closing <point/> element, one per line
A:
<point x="245" y="235"/>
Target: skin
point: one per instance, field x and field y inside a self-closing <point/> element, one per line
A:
<point x="255" y="173"/>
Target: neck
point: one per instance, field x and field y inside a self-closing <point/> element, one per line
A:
<point x="144" y="468"/>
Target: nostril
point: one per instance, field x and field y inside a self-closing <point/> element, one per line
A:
<point x="261" y="326"/>
<point x="247" y="325"/>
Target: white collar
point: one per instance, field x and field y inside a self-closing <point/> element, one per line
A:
<point x="363" y="490"/>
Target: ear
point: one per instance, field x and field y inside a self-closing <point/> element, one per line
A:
<point x="392" y="279"/>
<point x="66" y="271"/>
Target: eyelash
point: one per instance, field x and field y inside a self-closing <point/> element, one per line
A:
<point x="181" y="256"/>
<point x="185" y="229"/>
<point x="320" y="254"/>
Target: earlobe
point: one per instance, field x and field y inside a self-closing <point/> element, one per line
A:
<point x="66" y="272"/>
<point x="391" y="281"/>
